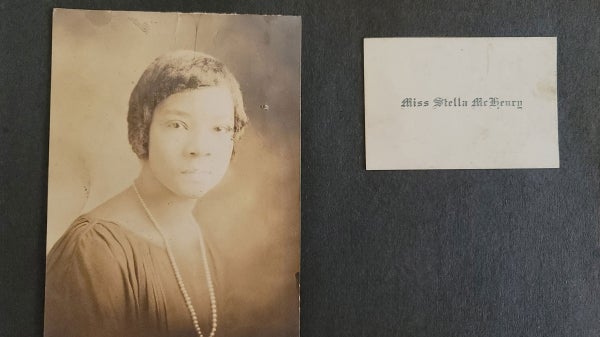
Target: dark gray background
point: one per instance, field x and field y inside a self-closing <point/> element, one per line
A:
<point x="390" y="253"/>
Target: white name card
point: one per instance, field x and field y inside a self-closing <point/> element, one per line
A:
<point x="460" y="103"/>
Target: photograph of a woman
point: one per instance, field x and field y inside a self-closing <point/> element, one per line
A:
<point x="202" y="238"/>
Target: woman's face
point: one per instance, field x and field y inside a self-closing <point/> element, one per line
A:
<point x="191" y="140"/>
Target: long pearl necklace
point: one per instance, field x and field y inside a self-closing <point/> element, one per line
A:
<point x="184" y="293"/>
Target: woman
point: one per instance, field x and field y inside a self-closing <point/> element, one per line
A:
<point x="139" y="265"/>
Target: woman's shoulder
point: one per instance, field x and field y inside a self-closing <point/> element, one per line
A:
<point x="109" y="223"/>
<point x="89" y="228"/>
<point x="88" y="237"/>
<point x="96" y="241"/>
<point x="91" y="274"/>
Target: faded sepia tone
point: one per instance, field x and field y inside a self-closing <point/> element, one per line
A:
<point x="253" y="214"/>
<point x="460" y="103"/>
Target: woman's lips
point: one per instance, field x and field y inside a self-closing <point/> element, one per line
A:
<point x="195" y="171"/>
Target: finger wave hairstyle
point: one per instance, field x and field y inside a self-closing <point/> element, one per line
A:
<point x="173" y="73"/>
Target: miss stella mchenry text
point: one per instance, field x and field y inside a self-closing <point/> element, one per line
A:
<point x="491" y="102"/>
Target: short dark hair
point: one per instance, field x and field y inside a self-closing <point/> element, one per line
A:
<point x="173" y="73"/>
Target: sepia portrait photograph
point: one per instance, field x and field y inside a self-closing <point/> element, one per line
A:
<point x="174" y="175"/>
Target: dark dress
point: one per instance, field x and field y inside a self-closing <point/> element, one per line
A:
<point x="104" y="280"/>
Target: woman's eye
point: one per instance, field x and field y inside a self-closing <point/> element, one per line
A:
<point x="176" y="125"/>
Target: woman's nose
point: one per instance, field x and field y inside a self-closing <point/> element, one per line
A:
<point x="198" y="153"/>
<point x="198" y="145"/>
